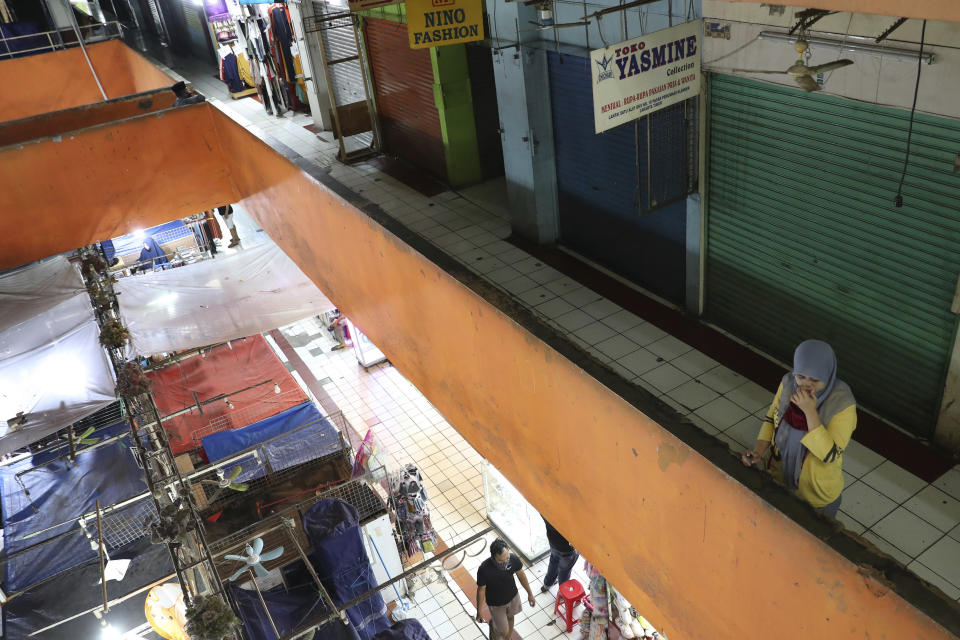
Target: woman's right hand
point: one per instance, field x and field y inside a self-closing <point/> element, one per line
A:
<point x="750" y="458"/>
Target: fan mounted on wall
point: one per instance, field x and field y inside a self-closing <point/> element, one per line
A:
<point x="802" y="73"/>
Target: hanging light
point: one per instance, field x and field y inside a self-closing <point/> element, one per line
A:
<point x="276" y="387"/>
<point x="229" y="404"/>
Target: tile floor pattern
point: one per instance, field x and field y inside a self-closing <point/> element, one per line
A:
<point x="916" y="522"/>
<point x="412" y="430"/>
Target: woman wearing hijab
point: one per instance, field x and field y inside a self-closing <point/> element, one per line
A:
<point x="810" y="422"/>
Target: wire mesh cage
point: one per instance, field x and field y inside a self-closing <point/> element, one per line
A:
<point x="273" y="474"/>
<point x="265" y="408"/>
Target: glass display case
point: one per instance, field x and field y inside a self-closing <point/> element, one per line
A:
<point x="512" y="514"/>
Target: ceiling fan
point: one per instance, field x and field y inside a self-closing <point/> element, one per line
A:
<point x="224" y="482"/>
<point x="545" y="16"/>
<point x="252" y="559"/>
<point x="800" y="71"/>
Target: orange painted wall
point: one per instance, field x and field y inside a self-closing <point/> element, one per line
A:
<point x="947" y="10"/>
<point x="56" y="122"/>
<point x="99" y="183"/>
<point x="697" y="551"/>
<point x="692" y="548"/>
<point x="61" y="79"/>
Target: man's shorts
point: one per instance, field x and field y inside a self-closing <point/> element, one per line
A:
<point x="498" y="615"/>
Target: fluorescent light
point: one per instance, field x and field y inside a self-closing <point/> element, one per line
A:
<point x="858" y="44"/>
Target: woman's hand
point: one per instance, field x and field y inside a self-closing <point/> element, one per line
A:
<point x="806" y="402"/>
<point x="750" y="458"/>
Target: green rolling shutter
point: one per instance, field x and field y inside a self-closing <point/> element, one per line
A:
<point x="803" y="240"/>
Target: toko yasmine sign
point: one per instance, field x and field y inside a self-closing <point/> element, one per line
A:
<point x="637" y="77"/>
<point x="434" y="23"/>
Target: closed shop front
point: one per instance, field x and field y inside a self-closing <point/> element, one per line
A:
<point x="622" y="193"/>
<point x="804" y="241"/>
<point x="403" y="89"/>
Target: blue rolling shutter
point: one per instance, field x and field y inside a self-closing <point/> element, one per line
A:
<point x="601" y="184"/>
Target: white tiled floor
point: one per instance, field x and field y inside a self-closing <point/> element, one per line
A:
<point x="472" y="229"/>
<point x="412" y="430"/>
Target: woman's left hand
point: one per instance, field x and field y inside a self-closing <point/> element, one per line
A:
<point x="806" y="402"/>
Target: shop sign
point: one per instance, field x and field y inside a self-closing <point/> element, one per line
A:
<point x="640" y="76"/>
<point x="434" y="23"/>
<point x="363" y="5"/>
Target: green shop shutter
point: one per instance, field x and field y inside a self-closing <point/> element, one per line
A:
<point x="804" y="241"/>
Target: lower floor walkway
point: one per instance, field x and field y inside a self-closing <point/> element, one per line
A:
<point x="899" y="495"/>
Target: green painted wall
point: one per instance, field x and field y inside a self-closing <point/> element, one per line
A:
<point x="451" y="92"/>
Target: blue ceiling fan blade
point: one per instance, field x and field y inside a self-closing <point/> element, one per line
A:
<point x="257" y="546"/>
<point x="271" y="555"/>
<point x="231" y="556"/>
<point x="260" y="571"/>
<point x="236" y="575"/>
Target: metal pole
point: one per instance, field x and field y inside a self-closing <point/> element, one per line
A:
<point x="313" y="573"/>
<point x="76" y="29"/>
<point x="267" y="611"/>
<point x="103" y="575"/>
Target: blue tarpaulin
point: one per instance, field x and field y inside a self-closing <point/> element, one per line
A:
<point x="287" y="439"/>
<point x="409" y="629"/>
<point x="290" y="609"/>
<point x="133" y="242"/>
<point x="340" y="559"/>
<point x="57" y="491"/>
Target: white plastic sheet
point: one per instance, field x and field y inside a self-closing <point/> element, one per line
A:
<point x="230" y="297"/>
<point x="29" y="291"/>
<point x="52" y="367"/>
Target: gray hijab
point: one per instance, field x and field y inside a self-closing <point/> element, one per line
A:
<point x="813" y="359"/>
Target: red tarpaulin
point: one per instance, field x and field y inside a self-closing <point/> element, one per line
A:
<point x="223" y="370"/>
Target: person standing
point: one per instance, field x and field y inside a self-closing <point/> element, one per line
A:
<point x="809" y="422"/>
<point x="213" y="230"/>
<point x="562" y="558"/>
<point x="497" y="588"/>
<point x="227" y="214"/>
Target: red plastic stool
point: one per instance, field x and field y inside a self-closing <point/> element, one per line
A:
<point x="570" y="594"/>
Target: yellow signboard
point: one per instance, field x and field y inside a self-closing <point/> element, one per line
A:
<point x="434" y="23"/>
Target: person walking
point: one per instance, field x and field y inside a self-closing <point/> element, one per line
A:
<point x="563" y="557"/>
<point x="186" y="95"/>
<point x="497" y="589"/>
<point x="809" y="423"/>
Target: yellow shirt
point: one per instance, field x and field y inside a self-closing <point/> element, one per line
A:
<point x="821" y="479"/>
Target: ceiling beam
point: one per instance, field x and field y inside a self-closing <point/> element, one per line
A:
<point x="946" y="10"/>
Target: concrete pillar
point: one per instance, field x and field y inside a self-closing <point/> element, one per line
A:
<point x="526" y="125"/>
<point x="947" y="432"/>
<point x="318" y="94"/>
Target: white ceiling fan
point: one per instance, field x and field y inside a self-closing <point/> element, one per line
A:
<point x="802" y="73"/>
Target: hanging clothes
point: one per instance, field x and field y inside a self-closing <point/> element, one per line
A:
<point x="280" y="24"/>
<point x="231" y="74"/>
<point x="243" y="68"/>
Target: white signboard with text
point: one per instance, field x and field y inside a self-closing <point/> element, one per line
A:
<point x="639" y="76"/>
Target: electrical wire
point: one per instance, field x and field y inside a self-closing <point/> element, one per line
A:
<point x="898" y="200"/>
<point x="737" y="50"/>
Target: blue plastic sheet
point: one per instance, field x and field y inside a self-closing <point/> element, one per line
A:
<point x="61" y="490"/>
<point x="291" y="437"/>
<point x="79" y="592"/>
<point x="290" y="610"/>
<point x="340" y="559"/>
<point x="409" y="629"/>
<point x="133" y="242"/>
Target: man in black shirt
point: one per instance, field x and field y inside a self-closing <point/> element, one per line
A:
<point x="185" y="96"/>
<point x="497" y="588"/>
<point x="562" y="558"/>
